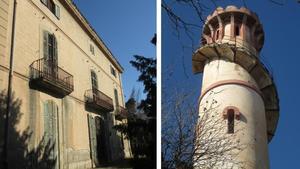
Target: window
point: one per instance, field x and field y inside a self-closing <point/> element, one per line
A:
<point x="52" y="7"/>
<point x="92" y="49"/>
<point x="94" y="80"/>
<point x="230" y="121"/>
<point x="113" y="71"/>
<point x="237" y="30"/>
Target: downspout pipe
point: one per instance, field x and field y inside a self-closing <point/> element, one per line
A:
<point x="9" y="91"/>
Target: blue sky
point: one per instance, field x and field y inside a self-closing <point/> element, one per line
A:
<point x="281" y="53"/>
<point x="126" y="27"/>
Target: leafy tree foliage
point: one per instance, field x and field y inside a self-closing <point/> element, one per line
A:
<point x="142" y="130"/>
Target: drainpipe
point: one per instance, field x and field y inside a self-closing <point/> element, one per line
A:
<point x="9" y="90"/>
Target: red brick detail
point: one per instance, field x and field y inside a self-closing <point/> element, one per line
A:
<point x="237" y="113"/>
<point x="229" y="82"/>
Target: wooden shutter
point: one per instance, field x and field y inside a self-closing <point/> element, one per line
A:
<point x="44" y="2"/>
<point x="93" y="139"/>
<point x="54" y="129"/>
<point x="45" y="45"/>
<point x="57" y="11"/>
<point x="46" y="122"/>
<point x="55" y="51"/>
<point x="116" y="99"/>
<point x="50" y="127"/>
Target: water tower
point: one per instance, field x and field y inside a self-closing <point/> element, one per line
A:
<point x="247" y="98"/>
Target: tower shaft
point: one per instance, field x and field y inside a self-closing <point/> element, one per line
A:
<point x="235" y="91"/>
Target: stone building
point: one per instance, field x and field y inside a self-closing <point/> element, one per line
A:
<point x="238" y="96"/>
<point x="65" y="85"/>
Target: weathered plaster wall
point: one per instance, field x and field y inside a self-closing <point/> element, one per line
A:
<point x="251" y="127"/>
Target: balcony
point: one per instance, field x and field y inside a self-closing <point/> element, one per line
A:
<point x="49" y="78"/>
<point x="121" y="113"/>
<point x="97" y="100"/>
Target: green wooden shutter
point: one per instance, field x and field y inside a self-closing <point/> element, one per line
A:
<point x="44" y="2"/>
<point x="90" y="133"/>
<point x="54" y="128"/>
<point x="116" y="99"/>
<point x="45" y="45"/>
<point x="93" y="139"/>
<point x="55" y="52"/>
<point x="46" y="122"/>
<point x="57" y="11"/>
<point x="50" y="127"/>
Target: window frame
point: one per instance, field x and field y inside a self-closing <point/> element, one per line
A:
<point x="113" y="71"/>
<point x="94" y="80"/>
<point x="53" y="7"/>
<point x="92" y="49"/>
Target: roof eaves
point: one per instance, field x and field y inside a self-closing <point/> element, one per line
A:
<point x="79" y="17"/>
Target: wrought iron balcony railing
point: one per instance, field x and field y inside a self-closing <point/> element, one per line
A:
<point x="98" y="100"/>
<point x="121" y="113"/>
<point x="48" y="77"/>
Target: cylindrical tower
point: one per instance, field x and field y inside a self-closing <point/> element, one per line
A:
<point x="239" y="101"/>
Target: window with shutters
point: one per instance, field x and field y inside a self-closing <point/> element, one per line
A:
<point x="54" y="8"/>
<point x="113" y="71"/>
<point x="92" y="49"/>
<point x="50" y="53"/>
<point x="94" y="80"/>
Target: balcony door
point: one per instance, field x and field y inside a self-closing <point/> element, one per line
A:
<point x="50" y="55"/>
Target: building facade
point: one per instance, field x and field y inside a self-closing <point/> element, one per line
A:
<point x="239" y="105"/>
<point x="66" y="87"/>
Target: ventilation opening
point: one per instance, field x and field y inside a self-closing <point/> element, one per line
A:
<point x="230" y="121"/>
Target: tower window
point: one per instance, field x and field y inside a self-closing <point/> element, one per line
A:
<point x="237" y="30"/>
<point x="230" y="121"/>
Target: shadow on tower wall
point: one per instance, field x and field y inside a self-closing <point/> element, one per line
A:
<point x="20" y="156"/>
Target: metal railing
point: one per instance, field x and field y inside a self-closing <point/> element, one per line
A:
<point x="49" y="71"/>
<point x="96" y="97"/>
<point x="121" y="112"/>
